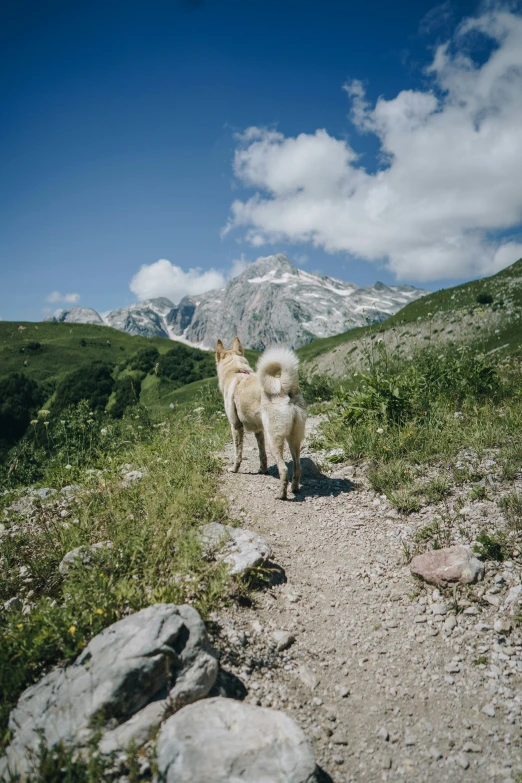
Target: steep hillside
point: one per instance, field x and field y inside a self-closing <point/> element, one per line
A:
<point x="488" y="310"/>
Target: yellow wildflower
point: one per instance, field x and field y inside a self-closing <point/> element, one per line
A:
<point x="99" y="611"/>
<point x="72" y="630"/>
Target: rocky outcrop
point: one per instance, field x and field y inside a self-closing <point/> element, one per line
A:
<point x="445" y="567"/>
<point x="77" y="315"/>
<point x="122" y="682"/>
<point x="221" y="740"/>
<point x="240" y="549"/>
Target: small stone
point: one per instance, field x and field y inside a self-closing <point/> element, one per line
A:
<point x="471" y="747"/>
<point x="307" y="676"/>
<point x="439" y="609"/>
<point x="283" y="640"/>
<point x="338" y="760"/>
<point x="81" y="555"/>
<point x="452" y="668"/>
<point x="343" y="691"/>
<point x="317" y="701"/>
<point x="409" y="740"/>
<point x="462" y="760"/>
<point x="14" y="604"/>
<point x="471" y="610"/>
<point x="421" y="618"/>
<point x="386" y="762"/>
<point x="392" y="624"/>
<point x="489" y="710"/>
<point x="493" y="600"/>
<point x="340" y="737"/>
<point x="383" y="733"/>
<point x="513" y="595"/>
<point x="450" y="623"/>
<point x="503" y="625"/>
<point x="435" y="754"/>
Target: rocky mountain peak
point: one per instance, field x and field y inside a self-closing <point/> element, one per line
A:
<point x="271" y="301"/>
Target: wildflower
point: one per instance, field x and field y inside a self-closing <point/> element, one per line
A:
<point x="46" y="423"/>
<point x="72" y="630"/>
<point x="34" y="422"/>
<point x="379" y="430"/>
<point x="62" y="421"/>
<point x="20" y="625"/>
<point x="99" y="611"/>
<point x="68" y="467"/>
<point x="103" y="431"/>
<point x="44" y="413"/>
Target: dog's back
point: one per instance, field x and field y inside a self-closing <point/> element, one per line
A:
<point x="283" y="409"/>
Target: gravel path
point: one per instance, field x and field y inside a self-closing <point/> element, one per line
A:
<point x="390" y="679"/>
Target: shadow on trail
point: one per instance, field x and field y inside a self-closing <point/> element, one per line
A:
<point x="313" y="482"/>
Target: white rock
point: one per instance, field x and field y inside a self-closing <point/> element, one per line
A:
<point x="240" y="742"/>
<point x="283" y="640"/>
<point x="241" y="549"/>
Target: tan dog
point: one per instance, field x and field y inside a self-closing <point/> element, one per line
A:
<point x="267" y="403"/>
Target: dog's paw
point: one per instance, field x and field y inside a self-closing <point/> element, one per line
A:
<point x="297" y="489"/>
<point x="263" y="470"/>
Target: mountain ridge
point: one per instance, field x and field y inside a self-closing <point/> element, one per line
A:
<point x="271" y="301"/>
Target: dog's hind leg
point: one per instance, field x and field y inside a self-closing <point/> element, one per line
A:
<point x="295" y="450"/>
<point x="237" y="434"/>
<point x="263" y="464"/>
<point x="277" y="446"/>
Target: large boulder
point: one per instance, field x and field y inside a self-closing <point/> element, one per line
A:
<point x="225" y="741"/>
<point x="445" y="567"/>
<point x="240" y="549"/>
<point x="122" y="683"/>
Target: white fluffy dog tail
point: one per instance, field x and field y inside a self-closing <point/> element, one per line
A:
<point x="278" y="371"/>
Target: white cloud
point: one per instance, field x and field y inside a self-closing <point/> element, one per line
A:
<point x="55" y="296"/>
<point x="163" y="278"/>
<point x="448" y="184"/>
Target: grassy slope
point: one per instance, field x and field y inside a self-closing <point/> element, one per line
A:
<point x="505" y="285"/>
<point x="62" y="352"/>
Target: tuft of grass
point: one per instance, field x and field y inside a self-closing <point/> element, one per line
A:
<point x="490" y="547"/>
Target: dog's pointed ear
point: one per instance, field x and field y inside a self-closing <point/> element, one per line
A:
<point x="237" y="347"/>
<point x="220" y="350"/>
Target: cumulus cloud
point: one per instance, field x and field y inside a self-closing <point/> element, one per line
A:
<point x="448" y="183"/>
<point x="166" y="279"/>
<point x="56" y="297"/>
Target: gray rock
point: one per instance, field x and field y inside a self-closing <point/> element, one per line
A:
<point x="82" y="554"/>
<point x="503" y="625"/>
<point x="241" y="742"/>
<point x="241" y="549"/>
<point x="444" y="567"/>
<point x="132" y="477"/>
<point x="121" y="679"/>
<point x="283" y="640"/>
<point x="14" y="604"/>
<point x="71" y="489"/>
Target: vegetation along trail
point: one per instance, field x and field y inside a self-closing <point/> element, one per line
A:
<point x="390" y="678"/>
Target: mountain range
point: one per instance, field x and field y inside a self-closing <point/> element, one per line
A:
<point x="271" y="301"/>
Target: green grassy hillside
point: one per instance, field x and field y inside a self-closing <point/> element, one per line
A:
<point x="458" y="307"/>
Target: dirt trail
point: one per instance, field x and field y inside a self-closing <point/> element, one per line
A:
<point x="380" y="681"/>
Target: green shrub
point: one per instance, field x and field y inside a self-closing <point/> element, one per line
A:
<point x="127" y="392"/>
<point x="484" y="299"/>
<point x="20" y="397"/>
<point x="317" y="387"/>
<point x="92" y="383"/>
<point x="144" y="360"/>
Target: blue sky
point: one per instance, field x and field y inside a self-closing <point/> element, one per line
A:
<point x="123" y="142"/>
